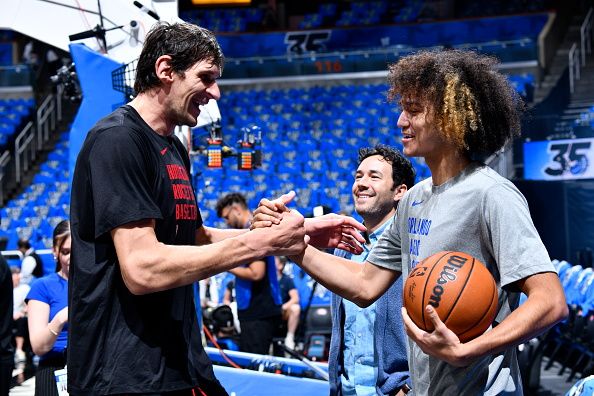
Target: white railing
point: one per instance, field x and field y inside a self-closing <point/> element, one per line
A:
<point x="586" y="36"/>
<point x="577" y="55"/>
<point x="574" y="66"/>
<point x="24" y="151"/>
<point x="46" y="120"/>
<point x="4" y="161"/>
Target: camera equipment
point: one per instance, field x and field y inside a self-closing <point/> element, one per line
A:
<point x="66" y="78"/>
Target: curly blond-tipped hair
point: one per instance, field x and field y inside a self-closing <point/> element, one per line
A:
<point x="473" y="105"/>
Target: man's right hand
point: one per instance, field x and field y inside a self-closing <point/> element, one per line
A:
<point x="287" y="237"/>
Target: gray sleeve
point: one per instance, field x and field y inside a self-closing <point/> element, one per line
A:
<point x="387" y="252"/>
<point x="517" y="247"/>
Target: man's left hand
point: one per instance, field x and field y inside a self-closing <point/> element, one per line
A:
<point x="441" y="343"/>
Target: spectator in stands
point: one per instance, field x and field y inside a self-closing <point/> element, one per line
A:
<point x="257" y="291"/>
<point x="456" y="108"/>
<point x="6" y="346"/>
<point x="291" y="310"/>
<point x="47" y="307"/>
<point x="19" y="315"/>
<point x="209" y="295"/>
<point x="134" y="219"/>
<point x="31" y="266"/>
<point x="376" y="362"/>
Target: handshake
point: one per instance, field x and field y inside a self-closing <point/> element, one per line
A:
<point x="289" y="234"/>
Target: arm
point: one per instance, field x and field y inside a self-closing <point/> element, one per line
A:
<point x="148" y="265"/>
<point x="41" y="330"/>
<point x="207" y="235"/>
<point x="328" y="231"/>
<point x="254" y="272"/>
<point x="293" y="299"/>
<point x="361" y="284"/>
<point x="227" y="296"/>
<point x="544" y="307"/>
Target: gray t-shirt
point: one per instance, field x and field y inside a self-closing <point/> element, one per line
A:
<point x="483" y="214"/>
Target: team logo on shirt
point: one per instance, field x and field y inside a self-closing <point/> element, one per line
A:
<point x="182" y="193"/>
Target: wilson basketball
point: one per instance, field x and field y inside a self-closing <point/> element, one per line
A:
<point x="459" y="287"/>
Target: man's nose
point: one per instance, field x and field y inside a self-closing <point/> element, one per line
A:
<point x="213" y="91"/>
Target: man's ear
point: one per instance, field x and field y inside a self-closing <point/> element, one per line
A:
<point x="163" y="69"/>
<point x="399" y="192"/>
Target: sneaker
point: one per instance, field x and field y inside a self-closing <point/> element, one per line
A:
<point x="19" y="359"/>
<point x="290" y="343"/>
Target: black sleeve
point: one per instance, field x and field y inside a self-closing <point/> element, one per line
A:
<point x="119" y="174"/>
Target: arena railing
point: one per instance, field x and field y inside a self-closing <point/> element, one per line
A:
<point x="586" y="36"/>
<point x="30" y="141"/>
<point x="578" y="54"/>
<point x="4" y="163"/>
<point x="521" y="52"/>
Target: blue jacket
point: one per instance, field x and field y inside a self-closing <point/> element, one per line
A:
<point x="390" y="341"/>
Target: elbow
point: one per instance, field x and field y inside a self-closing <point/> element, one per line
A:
<point x="559" y="310"/>
<point x="137" y="274"/>
<point x="137" y="288"/>
<point x="364" y="299"/>
<point x="562" y="311"/>
<point x="39" y="348"/>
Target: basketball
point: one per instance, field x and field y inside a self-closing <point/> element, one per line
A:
<point x="459" y="287"/>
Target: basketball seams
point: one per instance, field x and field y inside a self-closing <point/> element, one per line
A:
<point x="453" y="305"/>
<point x="427" y="277"/>
<point x="493" y="300"/>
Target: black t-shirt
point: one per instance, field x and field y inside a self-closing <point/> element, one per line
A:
<point x="262" y="305"/>
<point x="285" y="283"/>
<point x="6" y="348"/>
<point x="119" y="342"/>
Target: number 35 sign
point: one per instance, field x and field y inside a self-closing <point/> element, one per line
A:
<point x="559" y="159"/>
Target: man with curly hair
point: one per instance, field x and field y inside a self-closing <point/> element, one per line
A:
<point x="456" y="109"/>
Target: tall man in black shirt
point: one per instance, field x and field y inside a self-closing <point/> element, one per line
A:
<point x="134" y="215"/>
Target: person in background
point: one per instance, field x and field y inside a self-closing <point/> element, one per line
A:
<point x="257" y="291"/>
<point x="47" y="307"/>
<point x="368" y="345"/>
<point x="31" y="266"/>
<point x="6" y="347"/>
<point x="19" y="315"/>
<point x="291" y="310"/>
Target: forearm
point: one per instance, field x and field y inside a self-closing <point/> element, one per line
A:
<point x="43" y="336"/>
<point x="158" y="267"/>
<point x="543" y="309"/>
<point x="359" y="283"/>
<point x="207" y="235"/>
<point x="292" y="301"/>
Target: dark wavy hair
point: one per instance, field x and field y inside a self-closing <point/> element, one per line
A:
<point x="184" y="42"/>
<point x="473" y="104"/>
<point x="402" y="170"/>
<point x="61" y="233"/>
<point x="230" y="199"/>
